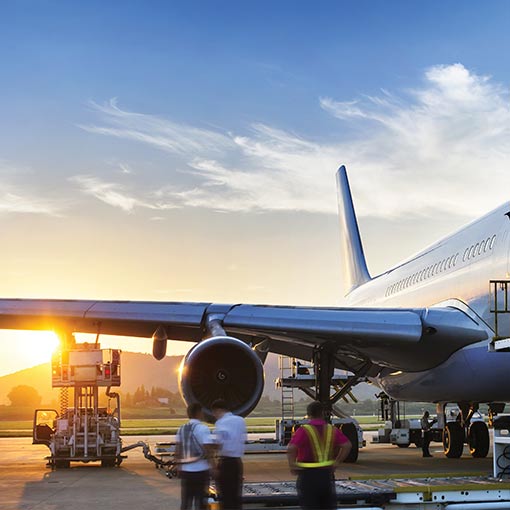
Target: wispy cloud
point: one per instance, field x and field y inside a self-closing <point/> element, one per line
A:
<point x="21" y="198"/>
<point x="14" y="202"/>
<point x="163" y="134"/>
<point x="109" y="193"/>
<point x="423" y="151"/>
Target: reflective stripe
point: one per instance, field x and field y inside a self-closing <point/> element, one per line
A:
<point x="323" y="453"/>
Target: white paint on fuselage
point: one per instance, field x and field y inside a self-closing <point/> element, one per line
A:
<point x="457" y="267"/>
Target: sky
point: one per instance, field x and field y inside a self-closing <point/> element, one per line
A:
<point x="186" y="151"/>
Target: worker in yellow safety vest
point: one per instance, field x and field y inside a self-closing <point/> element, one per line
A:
<point x="314" y="452"/>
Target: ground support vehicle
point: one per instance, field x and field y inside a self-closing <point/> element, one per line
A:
<point x="84" y="431"/>
<point x="449" y="428"/>
<point x="295" y="374"/>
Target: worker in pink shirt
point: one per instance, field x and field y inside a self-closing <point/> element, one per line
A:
<point x="314" y="452"/>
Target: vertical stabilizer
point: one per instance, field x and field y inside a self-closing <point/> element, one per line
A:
<point x="355" y="266"/>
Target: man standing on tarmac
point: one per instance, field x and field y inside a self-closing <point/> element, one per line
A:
<point x="192" y="452"/>
<point x="426" y="425"/>
<point x="314" y="452"/>
<point x="230" y="432"/>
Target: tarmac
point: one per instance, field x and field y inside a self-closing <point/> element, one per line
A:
<point x="26" y="483"/>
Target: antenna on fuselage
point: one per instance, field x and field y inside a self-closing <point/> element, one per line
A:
<point x="355" y="266"/>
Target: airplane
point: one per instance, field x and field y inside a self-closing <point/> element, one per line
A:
<point x="421" y="331"/>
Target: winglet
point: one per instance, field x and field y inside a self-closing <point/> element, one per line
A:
<point x="355" y="266"/>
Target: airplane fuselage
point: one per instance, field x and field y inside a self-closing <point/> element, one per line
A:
<point x="452" y="272"/>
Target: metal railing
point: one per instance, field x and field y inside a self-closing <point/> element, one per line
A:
<point x="498" y="306"/>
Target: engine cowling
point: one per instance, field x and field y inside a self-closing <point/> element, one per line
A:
<point x="222" y="367"/>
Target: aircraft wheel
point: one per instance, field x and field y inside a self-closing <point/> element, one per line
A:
<point x="478" y="439"/>
<point x="349" y="429"/>
<point x="62" y="464"/>
<point x="403" y="445"/>
<point x="453" y="440"/>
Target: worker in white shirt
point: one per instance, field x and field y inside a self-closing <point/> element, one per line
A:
<point x="193" y="452"/>
<point x="230" y="435"/>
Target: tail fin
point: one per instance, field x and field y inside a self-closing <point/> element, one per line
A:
<point x="355" y="266"/>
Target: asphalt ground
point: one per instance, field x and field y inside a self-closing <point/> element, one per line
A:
<point x="26" y="482"/>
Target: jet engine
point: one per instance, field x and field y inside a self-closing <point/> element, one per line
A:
<point x="222" y="367"/>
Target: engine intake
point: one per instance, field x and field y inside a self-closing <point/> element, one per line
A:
<point x="222" y="367"/>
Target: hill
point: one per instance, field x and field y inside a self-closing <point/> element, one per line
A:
<point x="138" y="369"/>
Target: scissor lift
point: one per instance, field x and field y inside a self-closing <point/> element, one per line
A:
<point x="84" y="432"/>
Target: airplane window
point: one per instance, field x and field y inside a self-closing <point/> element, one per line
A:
<point x="421" y="274"/>
<point x="491" y="245"/>
<point x="448" y="263"/>
<point x="475" y="251"/>
<point x="428" y="272"/>
<point x="481" y="248"/>
<point x="471" y="252"/>
<point x="434" y="268"/>
<point x="455" y="259"/>
<point x="465" y="254"/>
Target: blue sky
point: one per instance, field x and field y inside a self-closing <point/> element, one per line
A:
<point x="187" y="150"/>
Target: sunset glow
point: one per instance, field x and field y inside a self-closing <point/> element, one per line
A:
<point x="25" y="349"/>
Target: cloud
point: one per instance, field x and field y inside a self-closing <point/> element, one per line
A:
<point x="17" y="198"/>
<point x="428" y="150"/>
<point x="13" y="202"/>
<point x="163" y="134"/>
<point x="109" y="193"/>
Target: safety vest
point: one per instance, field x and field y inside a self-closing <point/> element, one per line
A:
<point x="322" y="449"/>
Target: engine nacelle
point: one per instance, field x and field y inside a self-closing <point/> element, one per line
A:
<point x="222" y="367"/>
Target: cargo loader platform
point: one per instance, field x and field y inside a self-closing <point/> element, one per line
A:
<point x="396" y="493"/>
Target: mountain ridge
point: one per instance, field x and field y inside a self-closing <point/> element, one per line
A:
<point x="139" y="369"/>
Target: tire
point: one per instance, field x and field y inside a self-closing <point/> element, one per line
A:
<point x="453" y="440"/>
<point x="62" y="464"/>
<point x="404" y="445"/>
<point x="478" y="439"/>
<point x="349" y="429"/>
<point x="108" y="463"/>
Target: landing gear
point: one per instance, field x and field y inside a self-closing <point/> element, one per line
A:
<point x="453" y="440"/>
<point x="478" y="439"/>
<point x="469" y="428"/>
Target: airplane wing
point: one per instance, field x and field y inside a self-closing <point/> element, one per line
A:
<point x="403" y="339"/>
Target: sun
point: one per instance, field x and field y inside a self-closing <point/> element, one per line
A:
<point x="41" y="345"/>
<point x="25" y="349"/>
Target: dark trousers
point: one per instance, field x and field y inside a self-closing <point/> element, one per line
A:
<point x="194" y="490"/>
<point x="230" y="483"/>
<point x="427" y="437"/>
<point x="316" y="489"/>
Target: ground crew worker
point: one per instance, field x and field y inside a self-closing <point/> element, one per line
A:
<point x="426" y="425"/>
<point x="194" y="444"/>
<point x="230" y="435"/>
<point x="314" y="452"/>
